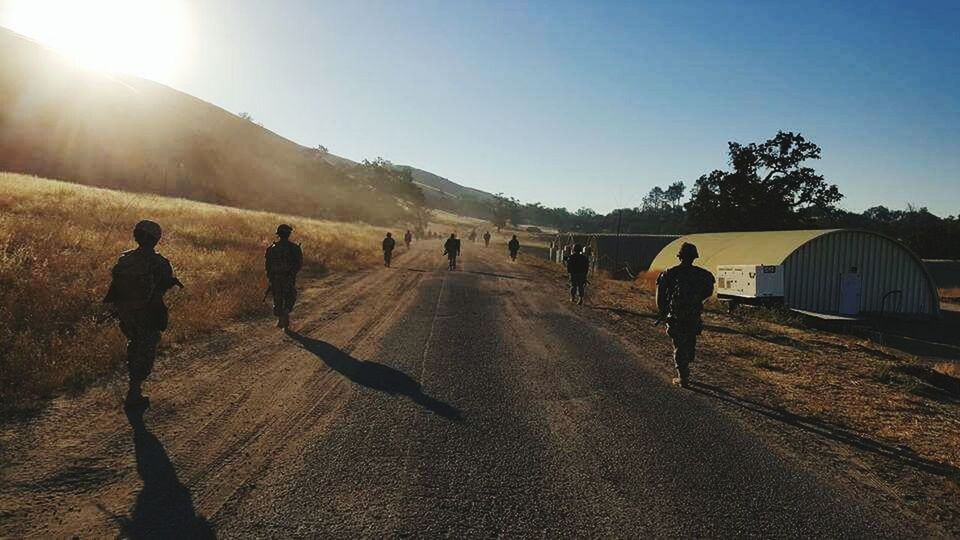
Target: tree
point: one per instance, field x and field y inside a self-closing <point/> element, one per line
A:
<point x="393" y="179"/>
<point x="246" y="116"/>
<point x="769" y="188"/>
<point x="674" y="193"/>
<point x="504" y="209"/>
<point x="655" y="200"/>
<point x="321" y="150"/>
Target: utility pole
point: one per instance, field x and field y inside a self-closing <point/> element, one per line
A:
<point x="619" y="223"/>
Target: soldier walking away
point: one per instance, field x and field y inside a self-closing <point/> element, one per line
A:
<point x="681" y="292"/>
<point x="139" y="280"/>
<point x="486" y="239"/>
<point x="473" y="235"/>
<point x="283" y="261"/>
<point x="514" y="246"/>
<point x="407" y="238"/>
<point x="388" y="244"/>
<point x="578" y="265"/>
<point x="451" y="248"/>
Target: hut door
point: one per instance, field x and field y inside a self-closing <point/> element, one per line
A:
<point x="850" y="292"/>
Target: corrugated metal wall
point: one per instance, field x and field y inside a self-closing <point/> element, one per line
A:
<point x="812" y="274"/>
<point x="636" y="251"/>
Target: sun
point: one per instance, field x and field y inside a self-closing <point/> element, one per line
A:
<point x="140" y="37"/>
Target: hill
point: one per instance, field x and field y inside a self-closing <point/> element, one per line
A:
<point x="58" y="242"/>
<point x="60" y="121"/>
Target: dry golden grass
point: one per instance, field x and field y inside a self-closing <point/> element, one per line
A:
<point x="58" y="242"/>
<point x="847" y="386"/>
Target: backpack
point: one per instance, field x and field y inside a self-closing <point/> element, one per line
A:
<point x="134" y="282"/>
<point x="686" y="299"/>
<point x="280" y="259"/>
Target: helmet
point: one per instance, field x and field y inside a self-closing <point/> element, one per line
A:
<point x="688" y="250"/>
<point x="149" y="228"/>
<point x="284" y="229"/>
<point x="577" y="248"/>
<point x="389" y="235"/>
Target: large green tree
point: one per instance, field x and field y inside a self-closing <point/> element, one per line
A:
<point x="770" y="187"/>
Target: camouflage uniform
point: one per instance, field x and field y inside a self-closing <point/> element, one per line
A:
<point x="578" y="265"/>
<point x="451" y="248"/>
<point x="388" y="246"/>
<point x="283" y="261"/>
<point x="681" y="291"/>
<point x="139" y="280"/>
<point x="514" y="246"/>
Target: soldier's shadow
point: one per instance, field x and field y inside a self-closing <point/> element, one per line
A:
<point x="375" y="376"/>
<point x="164" y="507"/>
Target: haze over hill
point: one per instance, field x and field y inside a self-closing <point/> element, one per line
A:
<point x="123" y="132"/>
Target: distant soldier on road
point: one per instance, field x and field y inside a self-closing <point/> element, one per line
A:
<point x="388" y="244"/>
<point x="139" y="280"/>
<point x="451" y="248"/>
<point x="283" y="261"/>
<point x="578" y="265"/>
<point x="486" y="239"/>
<point x="473" y="235"/>
<point x="681" y="292"/>
<point x="407" y="238"/>
<point x="514" y="246"/>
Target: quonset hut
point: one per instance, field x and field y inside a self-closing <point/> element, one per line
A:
<point x="824" y="269"/>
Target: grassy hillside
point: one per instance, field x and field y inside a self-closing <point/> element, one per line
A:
<point x="59" y="121"/>
<point x="58" y="242"/>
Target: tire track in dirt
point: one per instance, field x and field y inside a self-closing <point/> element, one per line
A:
<point x="220" y="407"/>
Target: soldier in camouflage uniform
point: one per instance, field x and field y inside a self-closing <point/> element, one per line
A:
<point x="139" y="280"/>
<point x="283" y="261"/>
<point x="681" y="292"/>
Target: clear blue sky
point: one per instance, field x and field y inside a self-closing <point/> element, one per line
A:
<point x="593" y="103"/>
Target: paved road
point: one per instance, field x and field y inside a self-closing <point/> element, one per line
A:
<point x="415" y="401"/>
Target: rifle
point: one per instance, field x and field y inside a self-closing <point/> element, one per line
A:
<point x="267" y="292"/>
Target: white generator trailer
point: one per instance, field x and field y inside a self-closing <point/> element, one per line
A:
<point x="750" y="283"/>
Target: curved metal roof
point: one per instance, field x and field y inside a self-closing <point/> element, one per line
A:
<point x="756" y="247"/>
<point x="813" y="261"/>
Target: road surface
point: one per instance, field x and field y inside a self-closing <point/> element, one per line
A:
<point x="415" y="401"/>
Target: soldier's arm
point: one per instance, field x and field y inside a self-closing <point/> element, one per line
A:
<point x="165" y="278"/>
<point x="663" y="294"/>
<point x="708" y="283"/>
<point x="298" y="259"/>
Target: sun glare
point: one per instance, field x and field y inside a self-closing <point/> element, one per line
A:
<point x="139" y="37"/>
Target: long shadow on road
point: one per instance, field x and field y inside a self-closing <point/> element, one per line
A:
<point x="832" y="432"/>
<point x="374" y="376"/>
<point x="164" y="507"/>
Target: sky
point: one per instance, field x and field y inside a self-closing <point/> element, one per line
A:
<point x="583" y="103"/>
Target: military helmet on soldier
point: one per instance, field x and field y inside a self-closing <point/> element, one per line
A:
<point x="149" y="228"/>
<point x="688" y="251"/>
<point x="577" y="248"/>
<point x="284" y="230"/>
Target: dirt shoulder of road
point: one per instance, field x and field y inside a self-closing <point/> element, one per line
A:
<point x="888" y="421"/>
